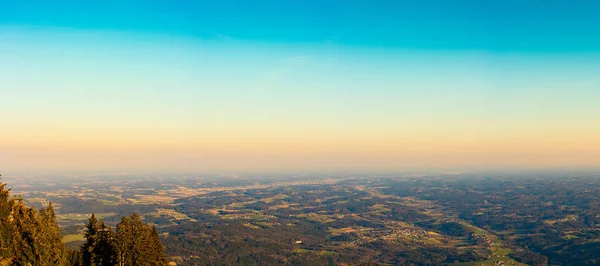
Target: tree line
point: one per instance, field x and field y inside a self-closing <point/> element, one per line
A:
<point x="132" y="243"/>
<point x="30" y="237"/>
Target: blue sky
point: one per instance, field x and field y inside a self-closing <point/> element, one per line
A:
<point x="517" y="26"/>
<point x="264" y="85"/>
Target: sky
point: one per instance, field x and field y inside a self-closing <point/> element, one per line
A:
<point x="168" y="86"/>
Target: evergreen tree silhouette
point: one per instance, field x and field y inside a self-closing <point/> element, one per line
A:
<point x="88" y="257"/>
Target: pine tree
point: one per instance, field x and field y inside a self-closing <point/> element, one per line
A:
<point x="74" y="258"/>
<point x="105" y="250"/>
<point x="124" y="241"/>
<point x="26" y="236"/>
<point x="100" y="248"/>
<point x="138" y="244"/>
<point x="131" y="237"/>
<point x="156" y="248"/>
<point x="7" y="226"/>
<point x="52" y="251"/>
<point x="91" y="237"/>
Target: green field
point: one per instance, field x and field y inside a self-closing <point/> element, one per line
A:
<point x="72" y="238"/>
<point x="302" y="251"/>
<point x="83" y="217"/>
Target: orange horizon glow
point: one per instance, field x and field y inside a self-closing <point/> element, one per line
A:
<point x="96" y="100"/>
